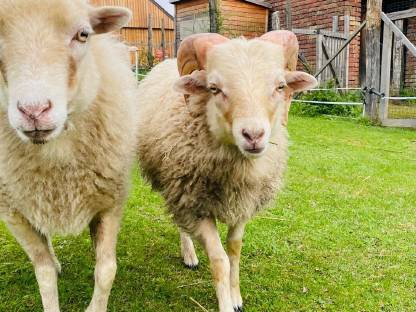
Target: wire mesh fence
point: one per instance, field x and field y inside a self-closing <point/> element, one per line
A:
<point x="403" y="107"/>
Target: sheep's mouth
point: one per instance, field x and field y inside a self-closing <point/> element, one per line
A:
<point x="38" y="136"/>
<point x="255" y="151"/>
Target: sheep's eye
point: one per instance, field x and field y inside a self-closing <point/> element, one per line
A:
<point x="82" y="36"/>
<point x="281" y="87"/>
<point x="214" y="90"/>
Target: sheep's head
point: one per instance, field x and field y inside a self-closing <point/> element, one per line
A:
<point x="44" y="49"/>
<point x="247" y="85"/>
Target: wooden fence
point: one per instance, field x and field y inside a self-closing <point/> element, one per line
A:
<point x="327" y="43"/>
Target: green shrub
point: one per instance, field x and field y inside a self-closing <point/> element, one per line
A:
<point x="307" y="109"/>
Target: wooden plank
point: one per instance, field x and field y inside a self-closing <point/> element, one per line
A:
<point x="266" y="21"/>
<point x="305" y="63"/>
<point x="347" y="42"/>
<point x="331" y="67"/>
<point x="187" y="4"/>
<point x="335" y="23"/>
<point x="150" y="42"/>
<point x="242" y="18"/>
<point x="213" y="16"/>
<point x="313" y="32"/>
<point x="402" y="14"/>
<point x="319" y="54"/>
<point x="288" y="14"/>
<point x="242" y="5"/>
<point x="385" y="71"/>
<point x="163" y="39"/>
<point x="347" y="52"/>
<point x="401" y="123"/>
<point x="398" y="62"/>
<point x="196" y="8"/>
<point x="275" y="20"/>
<point x="242" y="11"/>
<point x="399" y="34"/>
<point x="372" y="40"/>
<point x="177" y="34"/>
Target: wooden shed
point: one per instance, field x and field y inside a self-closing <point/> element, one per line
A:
<point x="232" y="18"/>
<point x="146" y="13"/>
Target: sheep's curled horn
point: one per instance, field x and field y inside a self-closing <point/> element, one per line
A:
<point x="289" y="42"/>
<point x="192" y="53"/>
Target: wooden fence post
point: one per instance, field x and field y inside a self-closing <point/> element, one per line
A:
<point x="177" y="33"/>
<point x="385" y="71"/>
<point x="335" y="23"/>
<point x="372" y="42"/>
<point x="288" y="9"/>
<point x="398" y="59"/>
<point x="163" y="39"/>
<point x="275" y="21"/>
<point x="319" y="54"/>
<point x="347" y="51"/>
<point x="213" y="16"/>
<point x="149" y="41"/>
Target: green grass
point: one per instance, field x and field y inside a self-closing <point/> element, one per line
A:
<point x="341" y="237"/>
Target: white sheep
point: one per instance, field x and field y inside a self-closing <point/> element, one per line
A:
<point x="67" y="132"/>
<point x="204" y="140"/>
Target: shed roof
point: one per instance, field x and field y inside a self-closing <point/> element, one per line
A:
<point x="166" y="6"/>
<point x="256" y="2"/>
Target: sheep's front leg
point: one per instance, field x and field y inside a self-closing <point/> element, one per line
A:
<point x="188" y="251"/>
<point x="207" y="234"/>
<point x="36" y="247"/>
<point x="104" y="230"/>
<point x="234" y="245"/>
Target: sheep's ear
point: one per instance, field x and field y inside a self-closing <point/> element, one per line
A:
<point x="300" y="81"/>
<point x="195" y="83"/>
<point x="108" y="18"/>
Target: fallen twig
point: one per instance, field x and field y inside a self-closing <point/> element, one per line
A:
<point x="193" y="284"/>
<point x="198" y="304"/>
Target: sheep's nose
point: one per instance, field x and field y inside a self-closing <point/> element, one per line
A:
<point x="253" y="136"/>
<point x="34" y="111"/>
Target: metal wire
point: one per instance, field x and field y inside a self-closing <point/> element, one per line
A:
<point x="334" y="89"/>
<point x="330" y="103"/>
<point x="400" y="97"/>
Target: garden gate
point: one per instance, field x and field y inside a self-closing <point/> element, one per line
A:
<point x="328" y="42"/>
<point x="395" y="111"/>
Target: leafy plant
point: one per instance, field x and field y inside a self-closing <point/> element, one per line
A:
<point x="315" y="109"/>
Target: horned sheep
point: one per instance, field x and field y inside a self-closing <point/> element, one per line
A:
<point x="67" y="132"/>
<point x="206" y="140"/>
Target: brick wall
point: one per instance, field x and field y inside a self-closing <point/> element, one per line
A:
<point x="318" y="14"/>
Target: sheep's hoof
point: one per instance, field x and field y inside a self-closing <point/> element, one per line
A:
<point x="238" y="309"/>
<point x="192" y="267"/>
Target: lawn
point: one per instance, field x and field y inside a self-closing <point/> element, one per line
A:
<point x="341" y="237"/>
